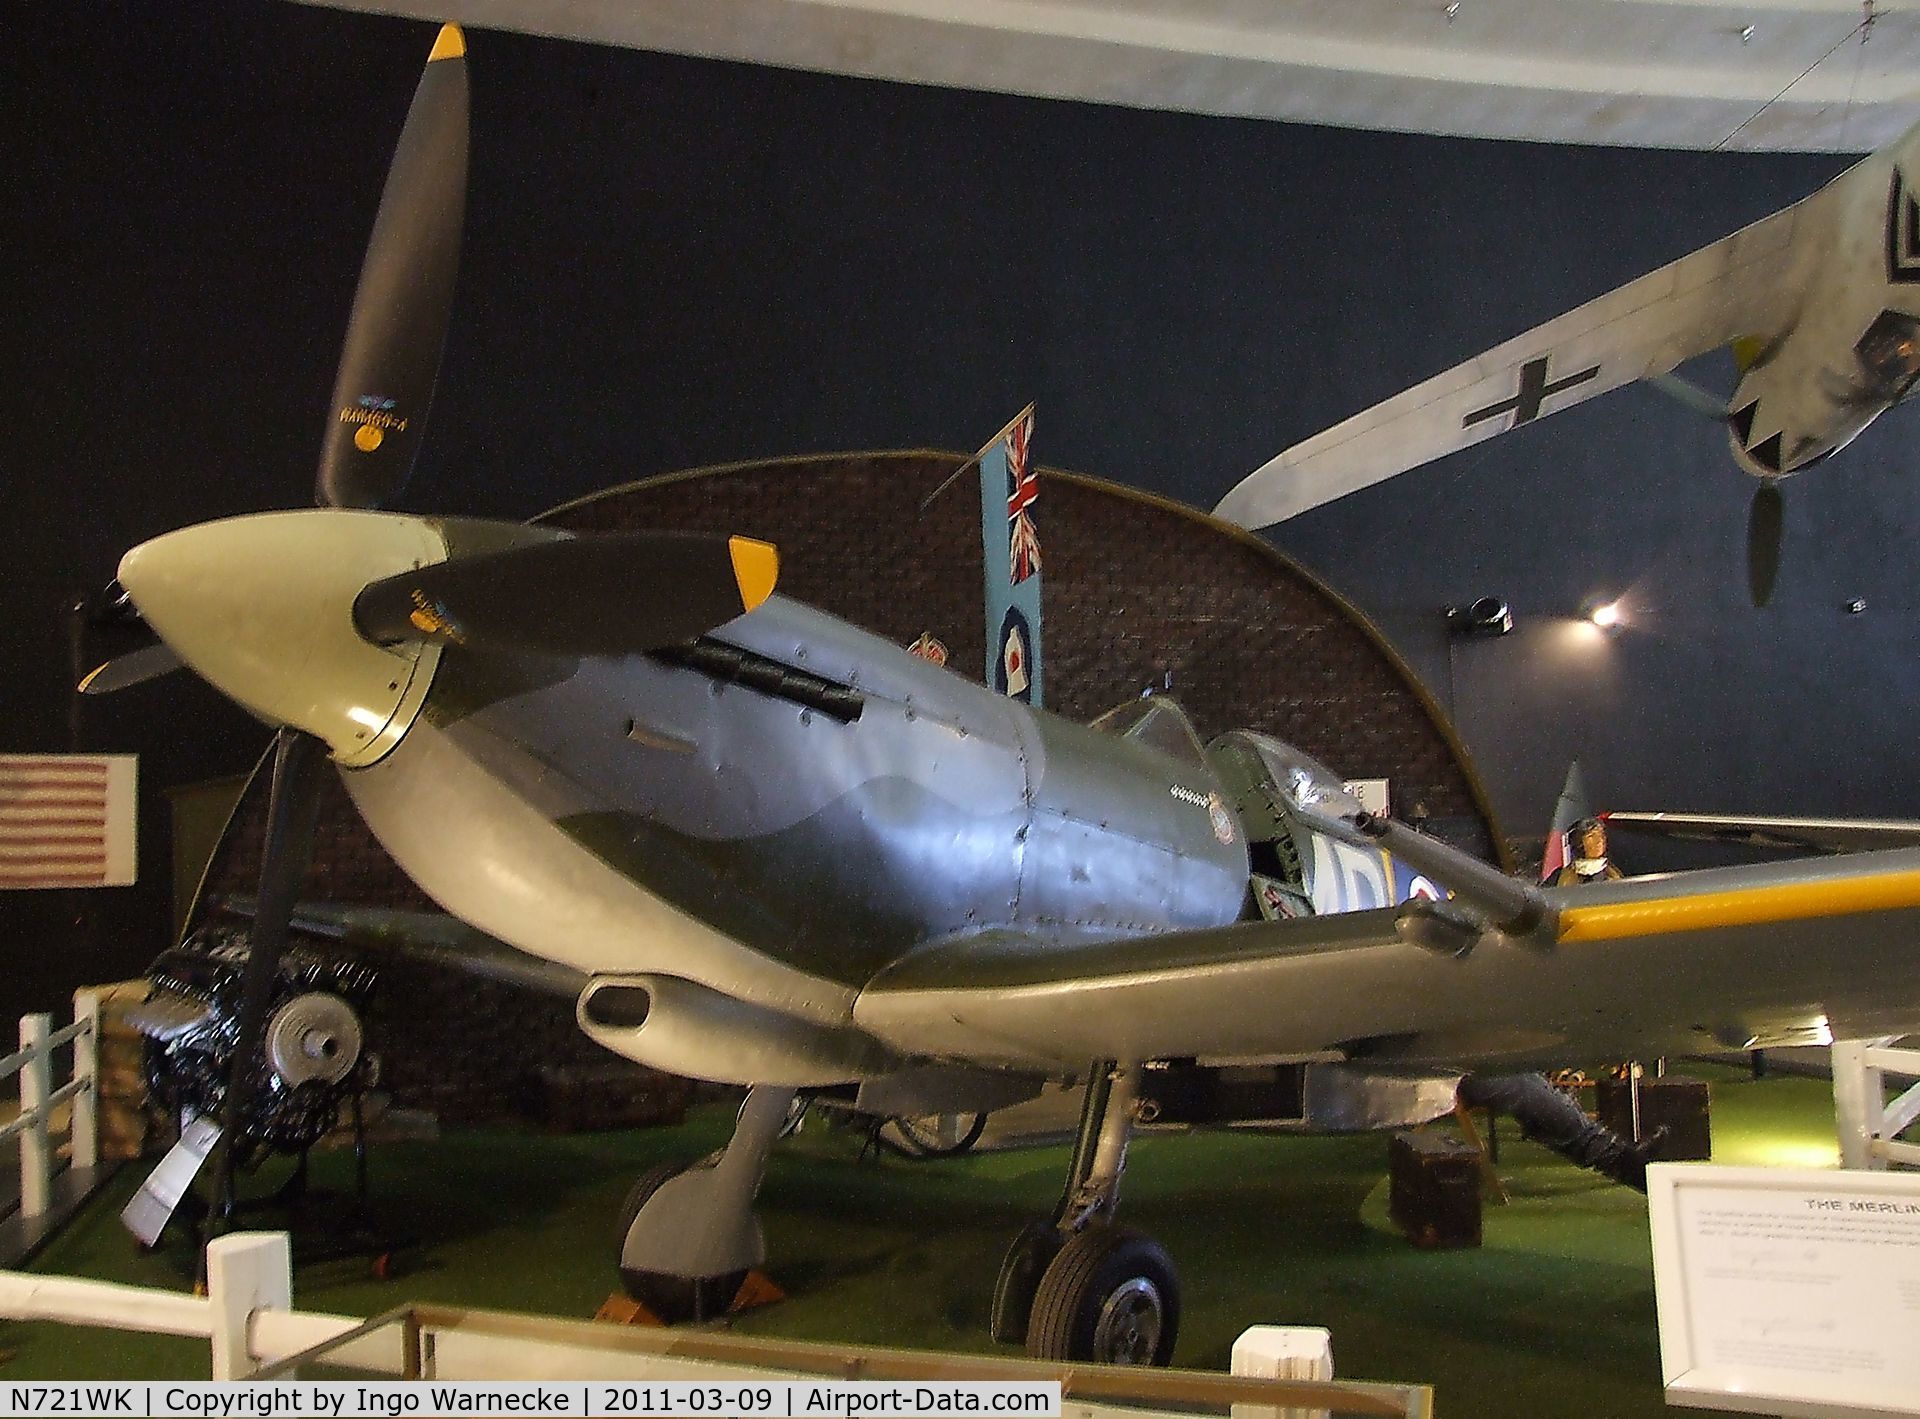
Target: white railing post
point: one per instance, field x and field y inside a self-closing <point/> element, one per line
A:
<point x="246" y="1272"/>
<point x="84" y="1148"/>
<point x="36" y="1082"/>
<point x="1858" y="1103"/>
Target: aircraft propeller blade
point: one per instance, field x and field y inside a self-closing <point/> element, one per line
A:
<point x="391" y="355"/>
<point x="113" y="647"/>
<point x="1689" y="395"/>
<point x="292" y="805"/>
<point x="133" y="667"/>
<point x="1765" y="523"/>
<point x="615" y="593"/>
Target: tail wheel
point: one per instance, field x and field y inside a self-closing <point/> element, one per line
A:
<point x="671" y="1298"/>
<point x="1110" y="1296"/>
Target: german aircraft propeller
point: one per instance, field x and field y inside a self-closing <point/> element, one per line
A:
<point x="787" y="854"/>
<point x="1819" y="304"/>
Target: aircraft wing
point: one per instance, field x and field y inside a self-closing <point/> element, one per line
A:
<point x="1787" y="834"/>
<point x="1744" y="287"/>
<point x="1729" y="958"/>
<point x="429" y="936"/>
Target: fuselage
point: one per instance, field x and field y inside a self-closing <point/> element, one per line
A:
<point x="731" y="837"/>
<point x="772" y="814"/>
<point x="824" y="847"/>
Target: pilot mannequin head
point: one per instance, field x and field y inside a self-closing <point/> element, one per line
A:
<point x="1591" y="835"/>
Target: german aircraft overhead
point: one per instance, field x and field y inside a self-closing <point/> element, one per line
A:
<point x="788" y="854"/>
<point x="1819" y="305"/>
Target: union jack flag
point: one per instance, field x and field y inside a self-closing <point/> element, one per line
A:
<point x="1023" y="490"/>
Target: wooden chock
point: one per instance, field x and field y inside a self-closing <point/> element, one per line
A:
<point x="759" y="1289"/>
<point x="621" y="1309"/>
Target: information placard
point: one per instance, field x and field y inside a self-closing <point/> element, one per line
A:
<point x="1790" y="1291"/>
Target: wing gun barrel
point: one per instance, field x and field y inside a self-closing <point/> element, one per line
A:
<point x="1508" y="904"/>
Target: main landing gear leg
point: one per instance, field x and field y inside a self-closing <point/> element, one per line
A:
<point x="688" y="1235"/>
<point x="1078" y="1287"/>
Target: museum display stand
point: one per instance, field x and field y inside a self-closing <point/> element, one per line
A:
<point x="1787" y="1291"/>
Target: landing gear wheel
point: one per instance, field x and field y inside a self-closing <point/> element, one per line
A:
<point x="1013" y="1290"/>
<point x="1110" y="1296"/>
<point x="672" y="1298"/>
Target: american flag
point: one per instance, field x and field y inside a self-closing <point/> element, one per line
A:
<point x="67" y="820"/>
<point x="1023" y="490"/>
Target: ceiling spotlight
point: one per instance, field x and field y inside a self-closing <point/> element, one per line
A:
<point x="1606" y="616"/>
<point x="1488" y="616"/>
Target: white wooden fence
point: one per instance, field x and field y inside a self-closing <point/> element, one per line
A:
<point x="33" y="1062"/>
<point x="247" y="1315"/>
<point x="1869" y="1124"/>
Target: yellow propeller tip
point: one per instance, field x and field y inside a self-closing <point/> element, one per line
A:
<point x="450" y="44"/>
<point x="756" y="566"/>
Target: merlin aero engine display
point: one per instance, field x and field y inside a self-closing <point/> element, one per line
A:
<point x="788" y="854"/>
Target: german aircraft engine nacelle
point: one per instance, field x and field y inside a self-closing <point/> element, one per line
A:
<point x="1796" y="406"/>
<point x="682" y="1027"/>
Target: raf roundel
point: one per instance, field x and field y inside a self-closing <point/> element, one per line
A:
<point x="1011" y="674"/>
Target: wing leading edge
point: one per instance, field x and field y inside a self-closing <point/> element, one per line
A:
<point x="1731" y="957"/>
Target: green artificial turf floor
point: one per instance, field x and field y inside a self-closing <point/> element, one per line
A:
<point x="1553" y="1316"/>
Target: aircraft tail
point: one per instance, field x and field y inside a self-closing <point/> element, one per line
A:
<point x="1570" y="809"/>
<point x="1009" y="492"/>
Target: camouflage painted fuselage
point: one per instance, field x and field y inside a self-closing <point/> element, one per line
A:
<point x="633" y="816"/>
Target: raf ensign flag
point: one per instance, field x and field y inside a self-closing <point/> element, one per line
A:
<point x="1009" y="489"/>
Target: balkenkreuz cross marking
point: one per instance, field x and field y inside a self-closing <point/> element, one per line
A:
<point x="1534" y="389"/>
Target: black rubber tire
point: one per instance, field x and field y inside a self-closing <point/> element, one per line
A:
<point x="671" y="1298"/>
<point x="1111" y="1296"/>
<point x="1026" y="1262"/>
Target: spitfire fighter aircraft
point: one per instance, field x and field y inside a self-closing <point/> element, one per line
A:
<point x="1818" y="303"/>
<point x="787" y="854"/>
